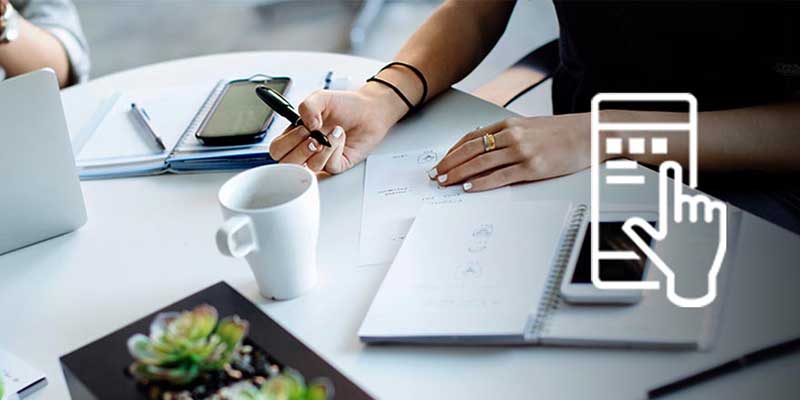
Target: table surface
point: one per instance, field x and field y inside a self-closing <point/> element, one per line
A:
<point x="149" y="241"/>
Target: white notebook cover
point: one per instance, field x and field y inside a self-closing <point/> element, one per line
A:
<point x="490" y="273"/>
<point x="468" y="271"/>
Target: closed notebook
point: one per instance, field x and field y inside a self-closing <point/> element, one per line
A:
<point x="490" y="274"/>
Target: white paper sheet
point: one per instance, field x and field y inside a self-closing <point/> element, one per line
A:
<point x="395" y="187"/>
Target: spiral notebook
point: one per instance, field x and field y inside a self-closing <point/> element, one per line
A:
<point x="489" y="273"/>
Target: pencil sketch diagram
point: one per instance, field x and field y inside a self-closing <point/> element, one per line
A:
<point x="675" y="207"/>
<point x="477" y="242"/>
<point x="469" y="270"/>
<point x="427" y="157"/>
<point x="480" y="238"/>
<point x="484" y="231"/>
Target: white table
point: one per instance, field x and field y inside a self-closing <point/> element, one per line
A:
<point x="149" y="242"/>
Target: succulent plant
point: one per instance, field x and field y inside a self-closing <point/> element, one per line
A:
<point x="183" y="345"/>
<point x="288" y="385"/>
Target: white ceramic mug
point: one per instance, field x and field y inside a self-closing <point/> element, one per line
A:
<point x="272" y="220"/>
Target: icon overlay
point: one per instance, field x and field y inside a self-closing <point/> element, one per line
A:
<point x="673" y="203"/>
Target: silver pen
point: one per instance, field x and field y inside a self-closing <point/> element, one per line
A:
<point x="141" y="114"/>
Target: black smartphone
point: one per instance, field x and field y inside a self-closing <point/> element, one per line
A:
<point x="238" y="116"/>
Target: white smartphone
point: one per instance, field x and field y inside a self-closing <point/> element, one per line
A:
<point x="577" y="287"/>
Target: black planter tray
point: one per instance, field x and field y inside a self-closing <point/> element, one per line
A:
<point x="96" y="371"/>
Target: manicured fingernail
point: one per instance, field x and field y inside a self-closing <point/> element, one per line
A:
<point x="467" y="186"/>
<point x="312" y="146"/>
<point x="338" y="131"/>
<point x="442" y="178"/>
<point x="432" y="173"/>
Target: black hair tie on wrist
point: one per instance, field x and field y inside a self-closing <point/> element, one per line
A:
<point x="416" y="72"/>
<point x="394" y="89"/>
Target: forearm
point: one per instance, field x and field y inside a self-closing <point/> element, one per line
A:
<point x="34" y="49"/>
<point x="760" y="138"/>
<point x="450" y="44"/>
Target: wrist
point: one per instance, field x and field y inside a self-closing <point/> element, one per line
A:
<point x="410" y="84"/>
<point x="386" y="100"/>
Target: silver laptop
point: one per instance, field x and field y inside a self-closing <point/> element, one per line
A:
<point x="40" y="194"/>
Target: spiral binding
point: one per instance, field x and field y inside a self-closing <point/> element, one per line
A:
<point x="202" y="113"/>
<point x="550" y="297"/>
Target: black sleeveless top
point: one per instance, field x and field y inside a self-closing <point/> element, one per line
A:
<point x="728" y="54"/>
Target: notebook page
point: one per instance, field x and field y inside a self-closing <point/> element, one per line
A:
<point x="395" y="187"/>
<point x="120" y="136"/>
<point x="468" y="270"/>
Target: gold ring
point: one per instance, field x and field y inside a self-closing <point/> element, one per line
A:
<point x="489" y="143"/>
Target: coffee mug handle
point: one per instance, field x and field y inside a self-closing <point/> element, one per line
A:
<point x="226" y="237"/>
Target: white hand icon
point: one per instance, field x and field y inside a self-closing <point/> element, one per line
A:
<point x="701" y="209"/>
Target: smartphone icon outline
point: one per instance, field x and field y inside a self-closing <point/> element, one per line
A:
<point x="662" y="128"/>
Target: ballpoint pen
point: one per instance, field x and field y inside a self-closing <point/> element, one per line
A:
<point x="142" y="116"/>
<point x="280" y="105"/>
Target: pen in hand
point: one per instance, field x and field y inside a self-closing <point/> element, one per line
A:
<point x="280" y="105"/>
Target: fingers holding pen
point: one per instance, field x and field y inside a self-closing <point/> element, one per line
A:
<point x="317" y="161"/>
<point x="307" y="149"/>
<point x="302" y="152"/>
<point x="282" y="145"/>
<point x="312" y="108"/>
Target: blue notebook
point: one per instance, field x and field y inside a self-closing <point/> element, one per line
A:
<point x="113" y="143"/>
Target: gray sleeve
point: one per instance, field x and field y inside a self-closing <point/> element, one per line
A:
<point x="60" y="18"/>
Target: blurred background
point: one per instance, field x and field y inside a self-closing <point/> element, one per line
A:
<point x="124" y="34"/>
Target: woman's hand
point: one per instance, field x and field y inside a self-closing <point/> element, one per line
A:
<point x="527" y="149"/>
<point x="354" y="122"/>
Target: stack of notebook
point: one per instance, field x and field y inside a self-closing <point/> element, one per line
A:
<point x="113" y="144"/>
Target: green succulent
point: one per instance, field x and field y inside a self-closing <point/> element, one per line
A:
<point x="183" y="345"/>
<point x="289" y="385"/>
<point x="1" y="387"/>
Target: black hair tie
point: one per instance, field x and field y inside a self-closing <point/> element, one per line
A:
<point x="416" y="72"/>
<point x="394" y="89"/>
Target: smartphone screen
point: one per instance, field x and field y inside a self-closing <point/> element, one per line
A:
<point x="612" y="238"/>
<point x="240" y="111"/>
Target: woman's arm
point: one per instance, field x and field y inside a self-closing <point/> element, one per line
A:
<point x="760" y="138"/>
<point x="449" y="45"/>
<point x="446" y="48"/>
<point x="50" y="35"/>
<point x="35" y="48"/>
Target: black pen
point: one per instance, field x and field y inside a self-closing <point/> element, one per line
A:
<point x="280" y="105"/>
<point x="744" y="361"/>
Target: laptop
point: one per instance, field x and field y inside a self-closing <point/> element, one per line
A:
<point x="40" y="192"/>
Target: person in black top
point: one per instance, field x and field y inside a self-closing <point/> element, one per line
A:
<point x="740" y="59"/>
<point x="727" y="54"/>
